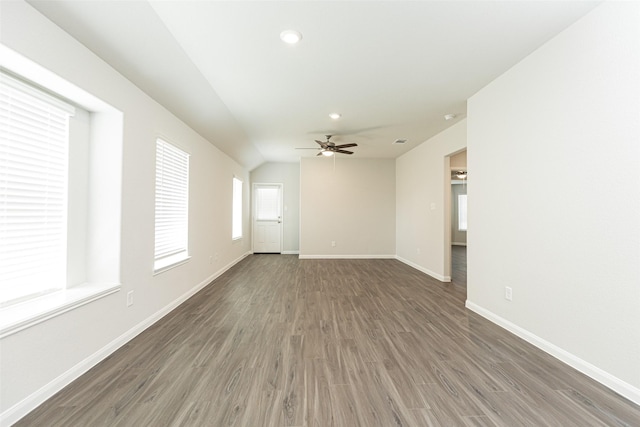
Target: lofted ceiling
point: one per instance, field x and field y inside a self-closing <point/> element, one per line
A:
<point x="392" y="69"/>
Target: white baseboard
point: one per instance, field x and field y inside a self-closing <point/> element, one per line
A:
<point x="616" y="384"/>
<point x="426" y="271"/>
<point x="22" y="408"/>
<point x="290" y="252"/>
<point x="459" y="243"/>
<point x="346" y="256"/>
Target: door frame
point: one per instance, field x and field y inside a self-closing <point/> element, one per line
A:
<point x="447" y="217"/>
<point x="448" y="208"/>
<point x="253" y="210"/>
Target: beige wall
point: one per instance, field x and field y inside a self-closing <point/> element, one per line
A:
<point x="459" y="160"/>
<point x="423" y="196"/>
<point x="352" y="205"/>
<point x="563" y="233"/>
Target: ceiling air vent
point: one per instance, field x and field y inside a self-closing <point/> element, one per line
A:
<point x="399" y="141"/>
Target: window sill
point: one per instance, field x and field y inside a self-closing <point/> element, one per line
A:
<point x="169" y="263"/>
<point x="17" y="317"/>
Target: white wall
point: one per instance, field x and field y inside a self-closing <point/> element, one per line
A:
<point x="423" y="196"/>
<point x="37" y="361"/>
<point x="289" y="175"/>
<point x="352" y="204"/>
<point x="564" y="234"/>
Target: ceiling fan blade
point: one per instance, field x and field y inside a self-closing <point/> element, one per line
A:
<point x="344" y="151"/>
<point x="319" y="154"/>
<point x="320" y="142"/>
<point x="347" y="145"/>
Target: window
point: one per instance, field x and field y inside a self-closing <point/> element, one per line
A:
<point x="172" y="206"/>
<point x="267" y="202"/>
<point x="63" y="194"/>
<point x="236" y="226"/>
<point x="34" y="143"/>
<point x="462" y="212"/>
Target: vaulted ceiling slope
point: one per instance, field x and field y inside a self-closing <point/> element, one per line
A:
<point x="392" y="69"/>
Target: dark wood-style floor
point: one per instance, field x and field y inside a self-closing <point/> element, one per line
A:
<point x="278" y="341"/>
<point x="459" y="266"/>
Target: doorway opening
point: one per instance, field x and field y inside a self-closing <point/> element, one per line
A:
<point x="459" y="232"/>
<point x="456" y="232"/>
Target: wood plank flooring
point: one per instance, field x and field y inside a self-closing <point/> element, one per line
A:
<point x="459" y="265"/>
<point x="278" y="341"/>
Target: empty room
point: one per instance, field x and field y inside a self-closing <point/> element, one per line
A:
<point x="319" y="213"/>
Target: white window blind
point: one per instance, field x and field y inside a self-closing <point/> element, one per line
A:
<point x="172" y="205"/>
<point x="462" y="212"/>
<point x="236" y="227"/>
<point x="34" y="140"/>
<point x="267" y="203"/>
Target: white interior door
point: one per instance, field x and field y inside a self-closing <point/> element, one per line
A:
<point x="267" y="218"/>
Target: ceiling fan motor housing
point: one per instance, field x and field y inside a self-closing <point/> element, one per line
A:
<point x="330" y="147"/>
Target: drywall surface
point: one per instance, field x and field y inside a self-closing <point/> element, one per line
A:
<point x="350" y="202"/>
<point x="287" y="174"/>
<point x="563" y="233"/>
<point x="459" y="160"/>
<point x="38" y="360"/>
<point x="423" y="198"/>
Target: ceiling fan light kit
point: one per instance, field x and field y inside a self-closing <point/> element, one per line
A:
<point x="328" y="148"/>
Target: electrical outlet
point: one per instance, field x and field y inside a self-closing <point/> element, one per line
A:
<point x="129" y="298"/>
<point x="507" y="293"/>
<point x="216" y="257"/>
<point x="333" y="243"/>
<point x="211" y="259"/>
<point x="418" y="251"/>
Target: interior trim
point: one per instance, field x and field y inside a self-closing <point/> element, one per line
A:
<point x="346" y="256"/>
<point x="23" y="315"/>
<point x="426" y="271"/>
<point x="22" y="408"/>
<point x="616" y="384"/>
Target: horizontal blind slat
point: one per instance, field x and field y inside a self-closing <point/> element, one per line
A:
<point x="171" y="205"/>
<point x="33" y="189"/>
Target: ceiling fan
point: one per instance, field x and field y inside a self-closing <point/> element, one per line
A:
<point x="328" y="148"/>
<point x="461" y="174"/>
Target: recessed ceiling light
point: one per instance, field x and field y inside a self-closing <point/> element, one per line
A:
<point x="449" y="116"/>
<point x="290" y="36"/>
<point x="335" y="116"/>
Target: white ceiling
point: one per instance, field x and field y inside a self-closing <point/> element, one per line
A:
<point x="393" y="69"/>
